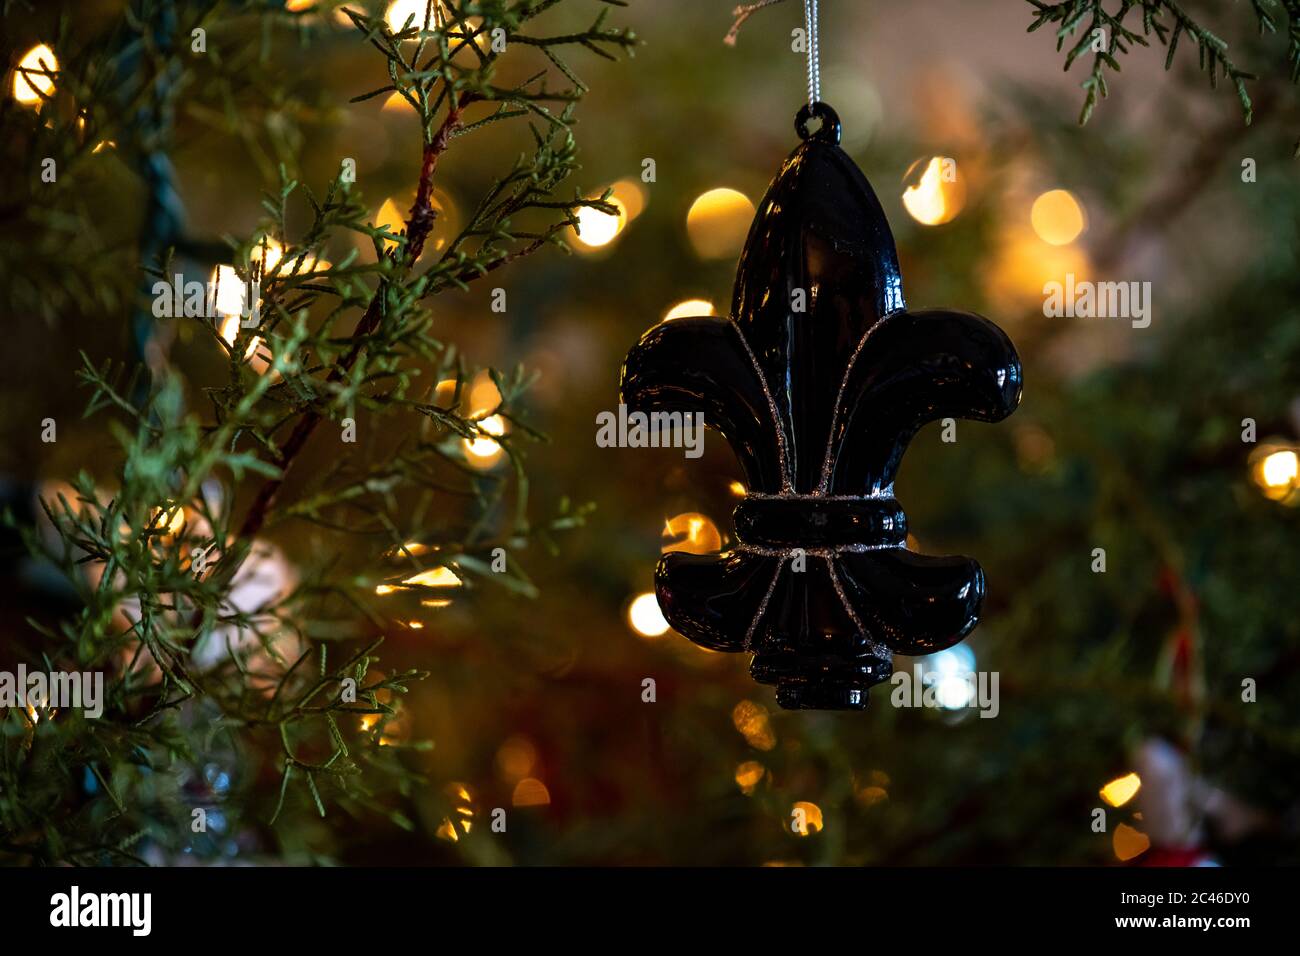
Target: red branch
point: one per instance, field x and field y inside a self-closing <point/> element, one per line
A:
<point x="418" y="227"/>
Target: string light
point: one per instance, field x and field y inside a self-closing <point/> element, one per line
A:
<point x="530" y="792"/>
<point x="1129" y="843"/>
<point x="1121" y="790"/>
<point x="439" y="577"/>
<point x="1024" y="263"/>
<point x="751" y="720"/>
<point x="34" y="87"/>
<point x="749" y="775"/>
<point x="484" y="396"/>
<point x="805" y="818"/>
<point x="228" y="302"/>
<point x="645" y="617"/>
<point x="1057" y="217"/>
<point x="1275" y="469"/>
<point x="953" y="688"/>
<point x="718" y="222"/>
<point x="870" y="796"/>
<point x="597" y="228"/>
<point x="400" y="11"/>
<point x="462" y="813"/>
<point x="173" y="519"/>
<point x="391" y="217"/>
<point x="484" y="452"/>
<point x="936" y="194"/>
<point x="397" y="103"/>
<point x="631" y="196"/>
<point x="516" y="758"/>
<point x="693" y="533"/>
<point x="268" y="254"/>
<point x="689" y="308"/>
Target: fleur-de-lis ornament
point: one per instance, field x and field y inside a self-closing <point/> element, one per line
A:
<point x="818" y="380"/>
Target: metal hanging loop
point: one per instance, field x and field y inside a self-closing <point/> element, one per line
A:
<point x="828" y="132"/>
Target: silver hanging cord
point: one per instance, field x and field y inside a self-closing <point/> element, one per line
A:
<point x="747" y="10"/>
<point x="814" y="58"/>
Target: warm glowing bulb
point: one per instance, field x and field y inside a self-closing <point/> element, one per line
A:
<point x="516" y="758"/>
<point x="805" y="818"/>
<point x="399" y="11"/>
<point x="390" y="218"/>
<point x="598" y="228"/>
<point x="751" y="720"/>
<point x="1129" y="842"/>
<point x="230" y="296"/>
<point x="484" y="452"/>
<point x="693" y="533"/>
<point x="441" y="577"/>
<point x="1280" y="469"/>
<point x="630" y="196"/>
<point x="645" y="617"/>
<point x="1023" y="264"/>
<point x="230" y="332"/>
<point x="34" y="87"/>
<point x="1057" y="217"/>
<point x="393" y="213"/>
<point x="689" y="308"/>
<point x="748" y="775"/>
<point x="937" y="195"/>
<point x="172" y="519"/>
<point x="924" y="201"/>
<point x="718" y="222"/>
<point x="397" y="103"/>
<point x="737" y="488"/>
<point x="484" y="396"/>
<point x="1121" y="790"/>
<point x="530" y="792"/>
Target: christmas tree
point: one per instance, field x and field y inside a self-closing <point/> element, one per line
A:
<point x="302" y="457"/>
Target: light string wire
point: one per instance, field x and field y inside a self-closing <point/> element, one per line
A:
<point x="814" y="55"/>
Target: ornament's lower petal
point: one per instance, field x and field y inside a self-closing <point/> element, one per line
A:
<point x="910" y="369"/>
<point x="807" y="617"/>
<point x="809" y="645"/>
<point x="714" y="599"/>
<point x="912" y="603"/>
<point x="702" y="365"/>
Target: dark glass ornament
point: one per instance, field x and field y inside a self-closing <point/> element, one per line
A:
<point x="819" y="405"/>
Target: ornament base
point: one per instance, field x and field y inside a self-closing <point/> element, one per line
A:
<point x="820" y="684"/>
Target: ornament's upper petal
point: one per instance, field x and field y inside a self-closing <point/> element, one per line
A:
<point x="702" y="365"/>
<point x="914" y="368"/>
<point x="912" y="603"/>
<point x="819" y="268"/>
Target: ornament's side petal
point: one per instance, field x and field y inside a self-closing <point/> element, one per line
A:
<point x="912" y="603"/>
<point x="818" y="269"/>
<point x="910" y="369"/>
<point x="711" y="599"/>
<point x="702" y="365"/>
